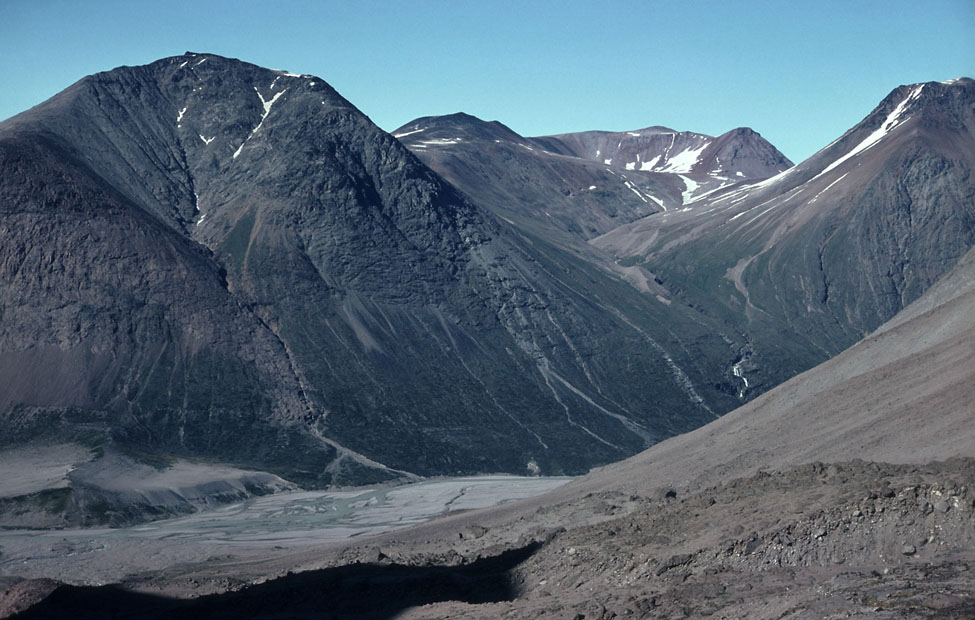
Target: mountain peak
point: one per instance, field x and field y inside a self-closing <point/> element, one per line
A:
<point x="958" y="81"/>
<point x="735" y="155"/>
<point x="452" y="128"/>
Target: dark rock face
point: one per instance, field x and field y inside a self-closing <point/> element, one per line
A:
<point x="114" y="322"/>
<point x="206" y="258"/>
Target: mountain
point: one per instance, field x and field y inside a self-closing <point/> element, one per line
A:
<point x="798" y="262"/>
<point x="585" y="183"/>
<point x="809" y="261"/>
<point x="560" y="197"/>
<point x="703" y="164"/>
<point x="205" y="259"/>
<point x="740" y="153"/>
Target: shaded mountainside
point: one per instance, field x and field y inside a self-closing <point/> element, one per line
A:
<point x="809" y="261"/>
<point x="230" y="262"/>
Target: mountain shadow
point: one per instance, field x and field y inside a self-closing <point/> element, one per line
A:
<point x="370" y="591"/>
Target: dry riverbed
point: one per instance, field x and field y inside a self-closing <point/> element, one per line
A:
<point x="253" y="528"/>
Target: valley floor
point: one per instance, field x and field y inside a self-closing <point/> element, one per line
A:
<point x="853" y="539"/>
<point x="272" y="524"/>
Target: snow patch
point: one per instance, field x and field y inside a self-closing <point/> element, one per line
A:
<point x="266" y="103"/>
<point x="592" y="187"/>
<point x="685" y="160"/>
<point x="200" y="63"/>
<point x="179" y="118"/>
<point x="631" y="165"/>
<point x="827" y="187"/>
<point x="712" y="191"/>
<point x="737" y="371"/>
<point x="690" y="186"/>
<point x="781" y="201"/>
<point x="660" y="203"/>
<point x="441" y="142"/>
<point x="408" y="133"/>
<point x="183" y="64"/>
<point x="893" y="120"/>
<point x="673" y="140"/>
<point x="644" y="197"/>
<point x="635" y="190"/>
<point x="648" y="165"/>
<point x="771" y="180"/>
<point x="608" y="161"/>
<point x="206" y="141"/>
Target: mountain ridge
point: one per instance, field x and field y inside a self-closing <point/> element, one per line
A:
<point x="838" y="243"/>
<point x="686" y="152"/>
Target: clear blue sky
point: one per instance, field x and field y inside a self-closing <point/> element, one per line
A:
<point x="800" y="73"/>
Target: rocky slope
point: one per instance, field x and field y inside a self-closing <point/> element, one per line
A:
<point x="203" y="258"/>
<point x="809" y="261"/>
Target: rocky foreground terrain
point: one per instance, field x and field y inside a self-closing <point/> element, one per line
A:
<point x="854" y="539"/>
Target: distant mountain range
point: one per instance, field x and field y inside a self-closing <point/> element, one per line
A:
<point x="590" y="182"/>
<point x="206" y="259"/>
